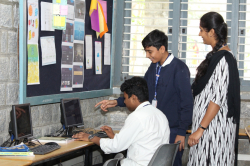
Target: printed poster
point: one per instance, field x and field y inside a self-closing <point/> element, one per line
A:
<point x="66" y="78"/>
<point x="33" y="21"/>
<point x="68" y="33"/>
<point x="78" y="52"/>
<point x="48" y="50"/>
<point x="46" y="16"/>
<point x="79" y="30"/>
<point x="67" y="54"/>
<point x="107" y="48"/>
<point x="78" y="76"/>
<point x="80" y="9"/>
<point x="33" y="65"/>
<point x="89" y="51"/>
<point x="71" y="9"/>
<point x="98" y="57"/>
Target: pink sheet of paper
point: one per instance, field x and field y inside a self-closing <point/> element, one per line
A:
<point x="64" y="10"/>
<point x="104" y="8"/>
<point x="95" y="20"/>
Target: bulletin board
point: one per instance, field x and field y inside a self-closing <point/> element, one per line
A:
<point x="48" y="91"/>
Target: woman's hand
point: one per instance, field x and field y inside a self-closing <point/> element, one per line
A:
<point x="194" y="138"/>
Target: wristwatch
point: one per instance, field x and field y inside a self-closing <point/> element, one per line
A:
<point x="200" y="126"/>
<point x="91" y="137"/>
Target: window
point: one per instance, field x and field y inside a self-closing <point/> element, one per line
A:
<point x="180" y="19"/>
<point x="140" y="18"/>
<point x="191" y="47"/>
<point x="243" y="55"/>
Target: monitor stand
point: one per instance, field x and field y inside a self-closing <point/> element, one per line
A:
<point x="69" y="132"/>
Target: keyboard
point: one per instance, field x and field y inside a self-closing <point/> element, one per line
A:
<point x="44" y="149"/>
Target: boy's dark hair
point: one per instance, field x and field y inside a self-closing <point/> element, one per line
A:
<point x="155" y="38"/>
<point x="136" y="86"/>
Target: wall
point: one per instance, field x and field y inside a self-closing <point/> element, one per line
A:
<point x="9" y="86"/>
<point x="46" y="118"/>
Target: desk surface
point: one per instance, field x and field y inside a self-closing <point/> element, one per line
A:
<point x="65" y="148"/>
<point x="14" y="162"/>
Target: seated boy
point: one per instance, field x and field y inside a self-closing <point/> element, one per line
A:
<point x="145" y="129"/>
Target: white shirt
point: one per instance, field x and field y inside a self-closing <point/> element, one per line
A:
<point x="145" y="129"/>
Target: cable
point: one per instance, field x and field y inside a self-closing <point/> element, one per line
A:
<point x="60" y="133"/>
<point x="59" y="129"/>
<point x="37" y="140"/>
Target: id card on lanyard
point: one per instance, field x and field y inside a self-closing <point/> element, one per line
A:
<point x="157" y="75"/>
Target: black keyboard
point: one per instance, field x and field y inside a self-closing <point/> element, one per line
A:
<point x="44" y="149"/>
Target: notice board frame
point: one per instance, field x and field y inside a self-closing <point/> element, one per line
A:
<point x="52" y="98"/>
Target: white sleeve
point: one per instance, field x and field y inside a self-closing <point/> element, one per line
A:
<point x="127" y="135"/>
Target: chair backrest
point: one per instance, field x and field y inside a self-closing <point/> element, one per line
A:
<point x="248" y="131"/>
<point x="111" y="162"/>
<point x="119" y="156"/>
<point x="164" y="155"/>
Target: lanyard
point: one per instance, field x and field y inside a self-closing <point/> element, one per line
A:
<point x="158" y="75"/>
<point x="146" y="105"/>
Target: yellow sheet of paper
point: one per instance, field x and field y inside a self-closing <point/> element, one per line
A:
<point x="58" y="1"/>
<point x="63" y="21"/>
<point x="93" y="6"/>
<point x="57" y="21"/>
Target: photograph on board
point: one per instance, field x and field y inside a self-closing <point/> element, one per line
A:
<point x="78" y="76"/>
<point x="80" y="9"/>
<point x="67" y="55"/>
<point x="66" y="79"/>
<point x="78" y="52"/>
<point x="70" y="2"/>
<point x="79" y="31"/>
<point x="68" y="35"/>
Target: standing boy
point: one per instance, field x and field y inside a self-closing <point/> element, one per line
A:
<point x="168" y="80"/>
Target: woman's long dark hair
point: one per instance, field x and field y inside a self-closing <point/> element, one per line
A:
<point x="212" y="20"/>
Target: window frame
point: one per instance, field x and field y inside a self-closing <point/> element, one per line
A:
<point x="119" y="77"/>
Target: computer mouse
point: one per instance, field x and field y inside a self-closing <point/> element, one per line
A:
<point x="51" y="143"/>
<point x="101" y="132"/>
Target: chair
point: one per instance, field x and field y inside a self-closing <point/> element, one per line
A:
<point x="113" y="162"/>
<point x="119" y="156"/>
<point x="165" y="155"/>
<point x="248" y="131"/>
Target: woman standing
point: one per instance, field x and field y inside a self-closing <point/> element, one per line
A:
<point x="216" y="91"/>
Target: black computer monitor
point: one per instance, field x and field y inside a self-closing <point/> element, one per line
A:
<point x="71" y="114"/>
<point x="21" y="123"/>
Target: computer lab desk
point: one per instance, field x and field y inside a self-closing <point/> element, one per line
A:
<point x="66" y="149"/>
<point x="14" y="162"/>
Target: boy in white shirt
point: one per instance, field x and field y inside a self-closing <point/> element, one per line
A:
<point x="145" y="129"/>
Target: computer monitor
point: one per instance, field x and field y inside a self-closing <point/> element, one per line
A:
<point x="21" y="124"/>
<point x="71" y="114"/>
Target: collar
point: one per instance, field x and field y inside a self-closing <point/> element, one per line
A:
<point x="142" y="105"/>
<point x="168" y="61"/>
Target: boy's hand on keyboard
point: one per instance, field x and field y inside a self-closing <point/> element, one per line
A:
<point x="109" y="131"/>
<point x="81" y="136"/>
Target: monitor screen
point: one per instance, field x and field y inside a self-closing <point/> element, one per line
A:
<point x="71" y="112"/>
<point x="21" y="121"/>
